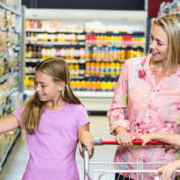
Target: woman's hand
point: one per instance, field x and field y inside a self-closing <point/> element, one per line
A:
<point x="125" y="139"/>
<point x="166" y="171"/>
<point x="146" y="138"/>
<point x="87" y="140"/>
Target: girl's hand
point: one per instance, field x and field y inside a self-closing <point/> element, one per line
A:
<point x="125" y="139"/>
<point x="146" y="138"/>
<point x="166" y="171"/>
<point x="87" y="140"/>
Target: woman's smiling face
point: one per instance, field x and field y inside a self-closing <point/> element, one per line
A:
<point x="159" y="44"/>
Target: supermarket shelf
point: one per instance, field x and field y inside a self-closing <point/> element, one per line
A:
<point x="9" y="9"/>
<point x="50" y="30"/>
<point x="113" y="32"/>
<point x="67" y="60"/>
<point x="8" y="148"/>
<point x="55" y="43"/>
<point x="118" y="46"/>
<point x="11" y="91"/>
<point x="4" y="78"/>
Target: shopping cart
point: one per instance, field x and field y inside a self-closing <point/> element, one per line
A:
<point x="105" y="170"/>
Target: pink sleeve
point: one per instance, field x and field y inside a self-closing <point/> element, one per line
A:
<point x="82" y="117"/>
<point x="117" y="112"/>
<point x="18" y="112"/>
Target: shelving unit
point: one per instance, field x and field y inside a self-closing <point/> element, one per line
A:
<point x="51" y="39"/>
<point x="8" y="149"/>
<point x="10" y="69"/>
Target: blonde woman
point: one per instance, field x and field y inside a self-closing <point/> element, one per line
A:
<point x="147" y="98"/>
<point x="54" y="120"/>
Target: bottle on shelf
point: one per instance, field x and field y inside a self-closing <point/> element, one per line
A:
<point x="102" y="67"/>
<point x="72" y="69"/>
<point x="88" y="68"/>
<point x="112" y="68"/>
<point x="30" y="52"/>
<point x="27" y="52"/>
<point x="76" y="67"/>
<point x="81" y="53"/>
<point x="107" y="68"/>
<point x="92" y="68"/>
<point x="72" y="53"/>
<point x="97" y="68"/>
<point x="34" y="52"/>
<point x="118" y="68"/>
<point x="38" y="54"/>
<point x="53" y="52"/>
<point x="44" y="53"/>
<point x="63" y="53"/>
<point x="81" y="69"/>
<point x="77" y="53"/>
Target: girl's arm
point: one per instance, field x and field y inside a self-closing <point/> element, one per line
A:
<point x="166" y="171"/>
<point x="85" y="138"/>
<point x="9" y="123"/>
<point x="173" y="139"/>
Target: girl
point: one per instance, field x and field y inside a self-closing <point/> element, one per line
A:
<point x="54" y="120"/>
<point x="166" y="171"/>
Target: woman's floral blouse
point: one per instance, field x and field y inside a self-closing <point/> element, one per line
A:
<point x="143" y="107"/>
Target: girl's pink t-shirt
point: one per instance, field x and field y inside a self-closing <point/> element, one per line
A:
<point x="142" y="107"/>
<point x="52" y="151"/>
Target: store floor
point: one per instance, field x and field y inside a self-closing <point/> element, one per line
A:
<point x="16" y="161"/>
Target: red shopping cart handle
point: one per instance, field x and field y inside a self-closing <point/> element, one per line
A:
<point x="135" y="142"/>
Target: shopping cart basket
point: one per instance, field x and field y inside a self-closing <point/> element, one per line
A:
<point x="106" y="172"/>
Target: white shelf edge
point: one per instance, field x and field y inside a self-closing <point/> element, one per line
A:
<point x="80" y="61"/>
<point x="9" y="9"/>
<point x="53" y="30"/>
<point x="83" y="94"/>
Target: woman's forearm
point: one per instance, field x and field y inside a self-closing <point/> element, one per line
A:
<point x="173" y="139"/>
<point x="120" y="129"/>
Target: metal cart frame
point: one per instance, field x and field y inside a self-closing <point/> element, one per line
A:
<point x="98" y="141"/>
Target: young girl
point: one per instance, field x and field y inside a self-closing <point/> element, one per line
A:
<point x="54" y="120"/>
<point x="167" y="170"/>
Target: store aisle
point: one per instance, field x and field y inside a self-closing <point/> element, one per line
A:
<point x="15" y="164"/>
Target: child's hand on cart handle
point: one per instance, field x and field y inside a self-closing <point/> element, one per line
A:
<point x="146" y="138"/>
<point x="87" y="140"/>
<point x="166" y="171"/>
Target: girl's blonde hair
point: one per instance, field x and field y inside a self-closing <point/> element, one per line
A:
<point x="58" y="69"/>
<point x="171" y="25"/>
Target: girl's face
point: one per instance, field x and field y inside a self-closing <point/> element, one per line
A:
<point x="159" y="44"/>
<point x="45" y="87"/>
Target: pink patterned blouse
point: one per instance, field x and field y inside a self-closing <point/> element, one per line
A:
<point x="143" y="107"/>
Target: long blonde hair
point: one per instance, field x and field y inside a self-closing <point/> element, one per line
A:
<point x="171" y="25"/>
<point x="58" y="69"/>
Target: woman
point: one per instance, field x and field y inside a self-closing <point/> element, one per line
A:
<point x="147" y="98"/>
